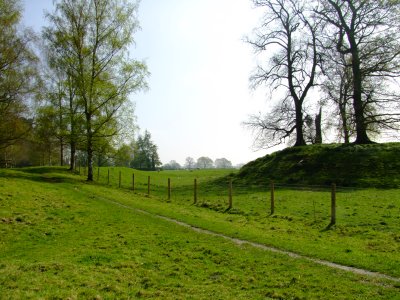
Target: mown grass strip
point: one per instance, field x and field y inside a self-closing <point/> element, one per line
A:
<point x="260" y="246"/>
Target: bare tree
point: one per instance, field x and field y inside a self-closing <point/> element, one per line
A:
<point x="367" y="32"/>
<point x="190" y="163"/>
<point x="290" y="34"/>
<point x="337" y="89"/>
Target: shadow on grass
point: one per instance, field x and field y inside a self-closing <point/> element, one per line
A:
<point x="42" y="174"/>
<point x="331" y="226"/>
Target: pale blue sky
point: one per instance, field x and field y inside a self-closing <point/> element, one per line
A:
<point x="199" y="66"/>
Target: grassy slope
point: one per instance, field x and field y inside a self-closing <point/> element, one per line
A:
<point x="61" y="237"/>
<point x="375" y="165"/>
<point x="367" y="234"/>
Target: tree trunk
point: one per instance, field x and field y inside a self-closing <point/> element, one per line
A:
<point x="318" y="127"/>
<point x="61" y="151"/>
<point x="299" y="126"/>
<point x="345" y="126"/>
<point x="89" y="146"/>
<point x="361" y="127"/>
<point x="73" y="153"/>
<point x="343" y="100"/>
<point x="90" y="160"/>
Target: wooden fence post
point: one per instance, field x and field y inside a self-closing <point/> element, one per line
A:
<point x="148" y="185"/>
<point x="133" y="181"/>
<point x="169" y="188"/>
<point x="195" y="192"/>
<point x="119" y="181"/>
<point x="272" y="198"/>
<point x="108" y="176"/>
<point x="333" y="205"/>
<point x="230" y="194"/>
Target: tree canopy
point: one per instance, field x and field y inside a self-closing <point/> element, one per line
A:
<point x="18" y="74"/>
<point x="90" y="40"/>
<point x="204" y="162"/>
<point x="145" y="155"/>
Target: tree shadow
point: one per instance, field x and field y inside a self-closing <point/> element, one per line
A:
<point x="42" y="174"/>
<point x="329" y="227"/>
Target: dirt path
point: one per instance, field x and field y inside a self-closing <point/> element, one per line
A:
<point x="263" y="247"/>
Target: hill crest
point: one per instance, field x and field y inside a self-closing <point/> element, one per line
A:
<point x="373" y="165"/>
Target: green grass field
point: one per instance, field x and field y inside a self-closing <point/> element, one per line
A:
<point x="64" y="238"/>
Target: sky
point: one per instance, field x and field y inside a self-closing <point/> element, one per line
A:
<point x="199" y="93"/>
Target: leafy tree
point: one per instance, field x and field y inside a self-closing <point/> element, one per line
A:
<point x="124" y="156"/>
<point x="205" y="162"/>
<point x="50" y="115"/>
<point x="145" y="153"/>
<point x="18" y="73"/>
<point x="288" y="37"/>
<point x="172" y="165"/>
<point x="190" y="163"/>
<point x="45" y="133"/>
<point x="222" y="163"/>
<point x="93" y="38"/>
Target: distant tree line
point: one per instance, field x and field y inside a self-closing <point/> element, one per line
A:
<point x="202" y="162"/>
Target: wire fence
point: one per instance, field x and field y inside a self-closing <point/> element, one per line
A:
<point x="314" y="204"/>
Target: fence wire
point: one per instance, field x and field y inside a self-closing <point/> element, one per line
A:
<point x="304" y="203"/>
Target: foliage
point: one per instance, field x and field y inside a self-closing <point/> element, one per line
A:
<point x="18" y="73"/>
<point x="145" y="155"/>
<point x="91" y="39"/>
<point x="222" y="163"/>
<point x="172" y="165"/>
<point x="204" y="162"/>
<point x="124" y="156"/>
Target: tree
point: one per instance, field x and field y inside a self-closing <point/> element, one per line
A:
<point x="45" y="133"/>
<point x="18" y="73"/>
<point x="205" y="162"/>
<point x="190" y="163"/>
<point x="367" y="32"/>
<point x="124" y="156"/>
<point x="172" y="165"/>
<point x="337" y="87"/>
<point x="290" y="34"/>
<point x="145" y="153"/>
<point x="93" y="37"/>
<point x="223" y="163"/>
<point x="61" y="95"/>
<point x="313" y="128"/>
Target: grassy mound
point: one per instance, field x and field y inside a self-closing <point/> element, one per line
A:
<point x="375" y="165"/>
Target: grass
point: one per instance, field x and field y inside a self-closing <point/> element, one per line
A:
<point x="367" y="234"/>
<point x="64" y="238"/>
<point x="372" y="165"/>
